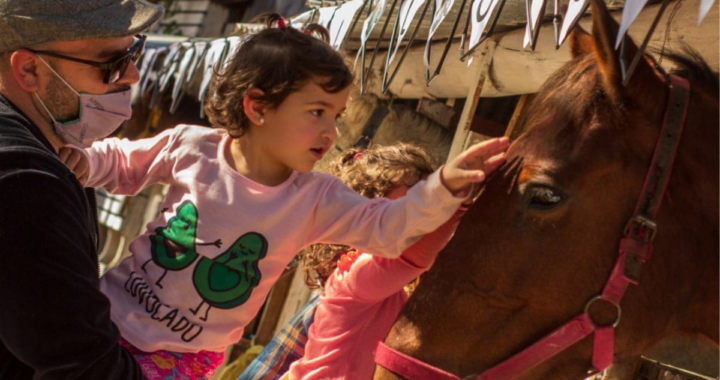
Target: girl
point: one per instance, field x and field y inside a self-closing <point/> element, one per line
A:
<point x="243" y="200"/>
<point x="363" y="294"/>
<point x="330" y="336"/>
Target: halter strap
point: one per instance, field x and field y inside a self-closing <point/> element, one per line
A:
<point x="635" y="248"/>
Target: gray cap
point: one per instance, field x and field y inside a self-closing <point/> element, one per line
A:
<point x="24" y="23"/>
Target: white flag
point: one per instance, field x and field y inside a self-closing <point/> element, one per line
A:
<point x="575" y="10"/>
<point x="705" y="6"/>
<point x="340" y="26"/>
<point x="371" y="21"/>
<point x="408" y="10"/>
<point x="535" y="12"/>
<point x="480" y="12"/>
<point x="442" y="8"/>
<point x="630" y="12"/>
<point x="326" y="15"/>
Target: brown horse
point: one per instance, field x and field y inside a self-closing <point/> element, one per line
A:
<point x="543" y="237"/>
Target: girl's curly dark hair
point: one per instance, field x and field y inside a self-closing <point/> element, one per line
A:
<point x="372" y="173"/>
<point x="278" y="61"/>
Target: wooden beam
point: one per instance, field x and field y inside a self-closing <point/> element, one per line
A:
<point x="513" y="129"/>
<point x="482" y="65"/>
<point x="515" y="71"/>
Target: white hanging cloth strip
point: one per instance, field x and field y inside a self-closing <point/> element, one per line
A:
<point x="369" y="25"/>
<point x="200" y="47"/>
<point x="326" y="15"/>
<point x="215" y="53"/>
<point x="344" y="16"/>
<point x="480" y="12"/>
<point x="630" y="12"/>
<point x="535" y="12"/>
<point x="408" y="10"/>
<point x="442" y="8"/>
<point x="575" y="10"/>
<point x="705" y="6"/>
<point x="299" y="21"/>
<point x="183" y="69"/>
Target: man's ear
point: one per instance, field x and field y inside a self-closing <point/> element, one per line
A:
<point x="254" y="110"/>
<point x="23" y="65"/>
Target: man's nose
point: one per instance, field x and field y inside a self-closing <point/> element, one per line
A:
<point x="131" y="75"/>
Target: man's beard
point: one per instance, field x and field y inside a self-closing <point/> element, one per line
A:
<point x="63" y="103"/>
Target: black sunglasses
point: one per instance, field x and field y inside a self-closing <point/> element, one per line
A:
<point x="115" y="69"/>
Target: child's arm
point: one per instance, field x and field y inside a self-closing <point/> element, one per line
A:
<point x="121" y="166"/>
<point x="386" y="228"/>
<point x="474" y="164"/>
<point x="373" y="278"/>
<point x="76" y="160"/>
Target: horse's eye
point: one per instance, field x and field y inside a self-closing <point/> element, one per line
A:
<point x="544" y="198"/>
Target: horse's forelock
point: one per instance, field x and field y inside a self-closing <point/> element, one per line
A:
<point x="564" y="107"/>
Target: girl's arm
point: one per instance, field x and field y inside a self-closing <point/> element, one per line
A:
<point x="381" y="226"/>
<point x="123" y="166"/>
<point x="387" y="228"/>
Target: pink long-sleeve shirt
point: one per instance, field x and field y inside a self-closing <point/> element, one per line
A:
<point x="357" y="309"/>
<point x="201" y="271"/>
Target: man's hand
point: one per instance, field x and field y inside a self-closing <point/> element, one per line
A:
<point x="474" y="164"/>
<point x="76" y="161"/>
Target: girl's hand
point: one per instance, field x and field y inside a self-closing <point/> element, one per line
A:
<point x="76" y="161"/>
<point x="474" y="164"/>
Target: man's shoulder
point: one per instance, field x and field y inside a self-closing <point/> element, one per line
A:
<point x="18" y="136"/>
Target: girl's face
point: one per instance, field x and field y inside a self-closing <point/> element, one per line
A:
<point x="299" y="132"/>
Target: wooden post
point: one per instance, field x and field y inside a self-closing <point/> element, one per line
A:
<point x="463" y="129"/>
<point x="298" y="295"/>
<point x="273" y="306"/>
<point x="513" y="129"/>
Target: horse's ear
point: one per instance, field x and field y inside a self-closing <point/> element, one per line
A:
<point x="581" y="42"/>
<point x="644" y="81"/>
<point x="604" y="30"/>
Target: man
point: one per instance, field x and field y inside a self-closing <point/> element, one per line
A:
<point x="66" y="67"/>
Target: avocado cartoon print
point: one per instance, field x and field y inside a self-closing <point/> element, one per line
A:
<point x="173" y="247"/>
<point x="228" y="280"/>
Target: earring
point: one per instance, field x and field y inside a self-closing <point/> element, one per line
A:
<point x="261" y="121"/>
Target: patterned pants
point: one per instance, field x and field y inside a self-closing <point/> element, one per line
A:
<point x="165" y="365"/>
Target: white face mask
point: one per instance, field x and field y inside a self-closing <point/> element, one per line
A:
<point x="99" y="115"/>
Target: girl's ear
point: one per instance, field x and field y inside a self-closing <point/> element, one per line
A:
<point x="254" y="110"/>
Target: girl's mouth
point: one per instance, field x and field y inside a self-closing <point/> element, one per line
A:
<point x="318" y="152"/>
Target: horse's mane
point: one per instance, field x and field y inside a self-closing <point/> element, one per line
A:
<point x="691" y="66"/>
<point x="573" y="90"/>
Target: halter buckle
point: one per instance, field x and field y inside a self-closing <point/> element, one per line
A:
<point x="644" y="225"/>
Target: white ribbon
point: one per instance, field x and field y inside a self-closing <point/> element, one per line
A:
<point x="407" y="12"/>
<point x="630" y="12"/>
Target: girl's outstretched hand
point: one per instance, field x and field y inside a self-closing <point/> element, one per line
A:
<point x="474" y="164"/>
<point x="76" y="161"/>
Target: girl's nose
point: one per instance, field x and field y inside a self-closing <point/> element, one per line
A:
<point x="331" y="132"/>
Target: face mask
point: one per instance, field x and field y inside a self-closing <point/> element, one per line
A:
<point x="100" y="115"/>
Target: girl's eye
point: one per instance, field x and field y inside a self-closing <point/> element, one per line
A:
<point x="317" y="113"/>
<point x="545" y="198"/>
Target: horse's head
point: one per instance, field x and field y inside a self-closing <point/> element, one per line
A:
<point x="543" y="237"/>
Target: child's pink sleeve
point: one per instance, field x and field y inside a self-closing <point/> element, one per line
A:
<point x="126" y="167"/>
<point x="424" y="252"/>
<point x="372" y="279"/>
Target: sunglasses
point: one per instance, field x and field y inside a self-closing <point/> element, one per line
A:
<point x="115" y="69"/>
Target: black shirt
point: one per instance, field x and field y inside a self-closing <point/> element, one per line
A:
<point x="54" y="321"/>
